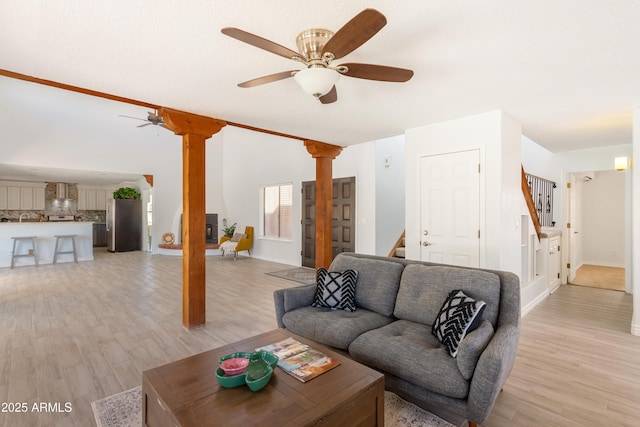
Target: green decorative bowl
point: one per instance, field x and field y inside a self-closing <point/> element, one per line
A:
<point x="230" y="382"/>
<point x="256" y="384"/>
<point x="269" y="358"/>
<point x="257" y="374"/>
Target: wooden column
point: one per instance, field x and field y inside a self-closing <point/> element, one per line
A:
<point x="324" y="155"/>
<point x="195" y="130"/>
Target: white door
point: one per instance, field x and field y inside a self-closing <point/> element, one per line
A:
<point x="450" y="208"/>
<point x="573" y="228"/>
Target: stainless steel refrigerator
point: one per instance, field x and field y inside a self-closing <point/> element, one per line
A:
<point x="124" y="225"/>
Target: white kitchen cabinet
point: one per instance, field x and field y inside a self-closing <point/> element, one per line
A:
<point x="26" y="198"/>
<point x="13" y="198"/>
<point x="22" y="196"/>
<point x="82" y="199"/>
<point x="3" y="198"/>
<point x="92" y="199"/>
<point x="101" y="200"/>
<point x="38" y="199"/>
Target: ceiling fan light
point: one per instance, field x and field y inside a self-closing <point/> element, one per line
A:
<point x="317" y="81"/>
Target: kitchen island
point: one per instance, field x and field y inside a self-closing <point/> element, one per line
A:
<point x="45" y="233"/>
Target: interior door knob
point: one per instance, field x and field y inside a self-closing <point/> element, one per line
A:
<point x="426" y="244"/>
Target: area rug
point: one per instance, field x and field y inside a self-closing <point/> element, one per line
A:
<point x="125" y="410"/>
<point x="304" y="275"/>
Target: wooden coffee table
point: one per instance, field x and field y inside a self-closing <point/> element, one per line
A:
<point x="186" y="393"/>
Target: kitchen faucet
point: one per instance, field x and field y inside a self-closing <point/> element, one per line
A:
<point x="20" y="219"/>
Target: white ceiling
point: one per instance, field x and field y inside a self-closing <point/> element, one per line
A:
<point x="568" y="71"/>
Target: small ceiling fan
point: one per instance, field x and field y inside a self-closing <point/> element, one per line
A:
<point x="152" y="119"/>
<point x="318" y="48"/>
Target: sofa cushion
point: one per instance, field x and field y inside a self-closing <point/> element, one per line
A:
<point x="472" y="347"/>
<point x="336" y="289"/>
<point x="424" y="288"/>
<point x="377" y="284"/>
<point x="407" y="350"/>
<point x="458" y="315"/>
<point x="336" y="328"/>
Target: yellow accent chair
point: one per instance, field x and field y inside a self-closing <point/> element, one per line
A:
<point x="242" y="242"/>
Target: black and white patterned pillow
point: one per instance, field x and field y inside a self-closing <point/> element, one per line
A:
<point x="336" y="290"/>
<point x="459" y="315"/>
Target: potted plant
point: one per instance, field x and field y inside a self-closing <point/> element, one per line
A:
<point x="228" y="231"/>
<point x="126" y="193"/>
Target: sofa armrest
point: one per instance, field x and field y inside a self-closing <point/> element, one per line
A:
<point x="491" y="372"/>
<point x="291" y="298"/>
<point x="224" y="239"/>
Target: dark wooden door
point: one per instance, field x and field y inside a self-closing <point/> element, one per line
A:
<point x="309" y="224"/>
<point x="343" y="219"/>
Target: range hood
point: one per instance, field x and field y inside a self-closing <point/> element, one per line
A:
<point x="62" y="191"/>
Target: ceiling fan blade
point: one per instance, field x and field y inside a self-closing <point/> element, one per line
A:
<point x="267" y="79"/>
<point x="260" y="42"/>
<point x="355" y="33"/>
<point x="146" y="124"/>
<point x="329" y="97"/>
<point x="377" y="72"/>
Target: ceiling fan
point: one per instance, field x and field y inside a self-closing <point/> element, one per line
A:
<point x="152" y="119"/>
<point x="318" y="48"/>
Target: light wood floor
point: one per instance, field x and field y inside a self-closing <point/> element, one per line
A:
<point x="78" y="332"/>
<point x="596" y="276"/>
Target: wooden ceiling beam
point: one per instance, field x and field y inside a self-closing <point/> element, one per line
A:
<point x="132" y="101"/>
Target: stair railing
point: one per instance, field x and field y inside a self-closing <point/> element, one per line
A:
<point x="526" y="192"/>
<point x="397" y="245"/>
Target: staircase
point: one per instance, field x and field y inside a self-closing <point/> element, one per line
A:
<point x="398" y="250"/>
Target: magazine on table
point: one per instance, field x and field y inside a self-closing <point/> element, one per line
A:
<point x="299" y="360"/>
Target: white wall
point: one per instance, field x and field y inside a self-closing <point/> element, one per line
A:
<point x="635" y="229"/>
<point x="250" y="161"/>
<point x="359" y="160"/>
<point x="497" y="136"/>
<point x="603" y="216"/>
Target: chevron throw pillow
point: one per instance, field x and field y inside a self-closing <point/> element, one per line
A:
<point x="459" y="315"/>
<point x="336" y="290"/>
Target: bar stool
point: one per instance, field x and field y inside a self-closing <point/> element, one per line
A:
<point x="32" y="253"/>
<point x="58" y="247"/>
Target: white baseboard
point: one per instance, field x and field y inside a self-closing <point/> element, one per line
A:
<point x="602" y="264"/>
<point x="527" y="308"/>
<point x="635" y="330"/>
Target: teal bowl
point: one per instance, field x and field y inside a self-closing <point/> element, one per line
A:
<point x="229" y="382"/>
<point x="259" y="383"/>
<point x="268" y="361"/>
<point x="269" y="358"/>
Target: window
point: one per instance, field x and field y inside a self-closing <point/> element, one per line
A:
<point x="277" y="215"/>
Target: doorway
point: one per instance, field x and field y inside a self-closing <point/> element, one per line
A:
<point x="450" y="208"/>
<point x="597" y="229"/>
<point x="343" y="219"/>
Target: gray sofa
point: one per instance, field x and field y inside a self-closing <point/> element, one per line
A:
<point x="397" y="302"/>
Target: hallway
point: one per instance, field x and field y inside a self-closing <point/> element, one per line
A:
<point x="595" y="276"/>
